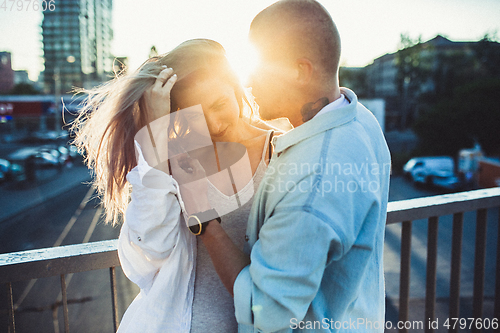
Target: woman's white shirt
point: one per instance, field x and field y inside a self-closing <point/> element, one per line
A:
<point x="157" y="252"/>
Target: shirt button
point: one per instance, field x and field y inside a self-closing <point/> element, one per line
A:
<point x="246" y="238"/>
<point x="139" y="239"/>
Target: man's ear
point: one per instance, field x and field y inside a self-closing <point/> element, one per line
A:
<point x="305" y="70"/>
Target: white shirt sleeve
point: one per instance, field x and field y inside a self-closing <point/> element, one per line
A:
<point x="152" y="221"/>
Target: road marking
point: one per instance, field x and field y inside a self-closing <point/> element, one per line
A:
<point x="74" y="218"/>
<point x="92" y="225"/>
<point x="89" y="233"/>
<point x="58" y="242"/>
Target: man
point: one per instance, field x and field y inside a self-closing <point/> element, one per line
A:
<point x="316" y="231"/>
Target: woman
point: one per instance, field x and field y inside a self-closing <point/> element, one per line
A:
<point x="119" y="129"/>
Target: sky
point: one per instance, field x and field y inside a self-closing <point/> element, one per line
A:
<point x="368" y="28"/>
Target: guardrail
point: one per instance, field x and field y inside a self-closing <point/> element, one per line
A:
<point x="60" y="261"/>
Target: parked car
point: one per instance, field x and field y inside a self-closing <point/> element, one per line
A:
<point x="60" y="153"/>
<point x="436" y="171"/>
<point x="9" y="171"/>
<point x="36" y="158"/>
<point x="47" y="159"/>
<point x="46" y="136"/>
<point x="4" y="166"/>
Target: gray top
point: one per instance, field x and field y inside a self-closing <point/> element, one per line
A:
<point x="213" y="307"/>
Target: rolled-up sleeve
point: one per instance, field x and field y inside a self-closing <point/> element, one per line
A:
<point x="287" y="266"/>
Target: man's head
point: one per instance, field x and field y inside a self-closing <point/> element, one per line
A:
<point x="299" y="47"/>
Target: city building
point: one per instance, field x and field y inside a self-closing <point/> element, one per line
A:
<point x="120" y="65"/>
<point x="77" y="39"/>
<point x="6" y="73"/>
<point x="21" y="76"/>
<point x="432" y="63"/>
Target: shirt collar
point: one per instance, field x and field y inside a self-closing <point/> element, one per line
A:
<point x="336" y="104"/>
<point x="341" y="116"/>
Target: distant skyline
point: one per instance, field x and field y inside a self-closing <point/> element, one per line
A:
<point x="368" y="28"/>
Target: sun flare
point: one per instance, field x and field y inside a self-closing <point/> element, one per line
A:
<point x="244" y="59"/>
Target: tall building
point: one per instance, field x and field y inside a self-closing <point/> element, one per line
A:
<point x="6" y="73"/>
<point x="120" y="65"/>
<point x="77" y="44"/>
<point x="21" y="76"/>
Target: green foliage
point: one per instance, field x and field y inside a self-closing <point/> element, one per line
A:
<point x="355" y="79"/>
<point x="24" y="89"/>
<point x="464" y="106"/>
<point x="414" y="68"/>
<point x="470" y="114"/>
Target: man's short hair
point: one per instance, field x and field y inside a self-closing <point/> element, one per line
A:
<point x="302" y="27"/>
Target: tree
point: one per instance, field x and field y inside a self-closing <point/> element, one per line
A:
<point x="470" y="115"/>
<point x="487" y="52"/>
<point x="463" y="107"/>
<point x="24" y="89"/>
<point x="354" y="78"/>
<point x="153" y="52"/>
<point x="413" y="70"/>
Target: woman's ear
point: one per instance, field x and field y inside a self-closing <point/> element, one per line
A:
<point x="304" y="70"/>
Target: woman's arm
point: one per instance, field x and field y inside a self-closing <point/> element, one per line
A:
<point x="152" y="221"/>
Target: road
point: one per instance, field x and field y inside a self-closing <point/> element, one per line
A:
<point x="89" y="292"/>
<point x="57" y="222"/>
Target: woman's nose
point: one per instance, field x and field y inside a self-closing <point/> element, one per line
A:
<point x="214" y="125"/>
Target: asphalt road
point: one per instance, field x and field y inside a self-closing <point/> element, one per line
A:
<point x="37" y="304"/>
<point x="56" y="222"/>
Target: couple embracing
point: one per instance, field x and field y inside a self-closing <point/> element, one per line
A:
<point x="226" y="223"/>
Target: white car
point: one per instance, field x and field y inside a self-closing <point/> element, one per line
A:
<point x="434" y="171"/>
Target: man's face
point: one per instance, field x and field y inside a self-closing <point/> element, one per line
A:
<point x="272" y="83"/>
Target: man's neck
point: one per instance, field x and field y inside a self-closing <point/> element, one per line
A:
<point x="316" y="102"/>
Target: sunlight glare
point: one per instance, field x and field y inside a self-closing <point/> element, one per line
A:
<point x="244" y="59"/>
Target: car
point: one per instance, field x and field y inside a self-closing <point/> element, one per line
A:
<point x="45" y="136"/>
<point x="36" y="158"/>
<point x="447" y="182"/>
<point x="438" y="171"/>
<point x="22" y="154"/>
<point x="60" y="153"/>
<point x="9" y="171"/>
<point x="4" y="166"/>
<point x="47" y="160"/>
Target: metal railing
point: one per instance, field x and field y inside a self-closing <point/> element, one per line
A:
<point x="59" y="261"/>
<point x="432" y="208"/>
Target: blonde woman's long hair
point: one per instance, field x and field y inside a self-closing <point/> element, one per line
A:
<point x="113" y="113"/>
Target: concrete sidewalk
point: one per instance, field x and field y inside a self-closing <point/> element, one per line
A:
<point x="16" y="197"/>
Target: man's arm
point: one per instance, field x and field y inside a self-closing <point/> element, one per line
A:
<point x="228" y="260"/>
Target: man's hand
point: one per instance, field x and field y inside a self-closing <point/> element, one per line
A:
<point x="157" y="97"/>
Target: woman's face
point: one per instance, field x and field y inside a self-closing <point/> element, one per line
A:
<point x="219" y="104"/>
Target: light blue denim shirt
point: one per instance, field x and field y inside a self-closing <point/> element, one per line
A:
<point x="316" y="229"/>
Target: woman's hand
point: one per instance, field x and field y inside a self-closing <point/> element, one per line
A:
<point x="157" y="97"/>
